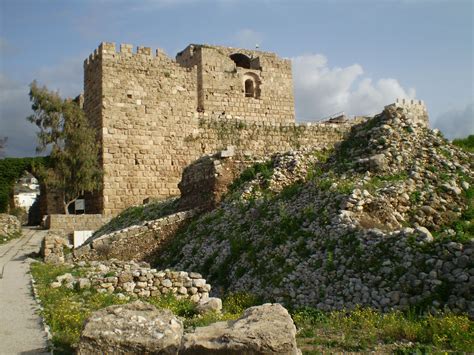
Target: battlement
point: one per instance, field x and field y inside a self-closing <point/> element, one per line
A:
<point x="124" y="49"/>
<point x="417" y="111"/>
<point x="412" y="103"/>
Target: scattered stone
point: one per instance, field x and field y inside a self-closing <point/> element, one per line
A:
<point x="212" y="304"/>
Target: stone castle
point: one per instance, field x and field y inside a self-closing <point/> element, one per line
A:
<point x="155" y="115"/>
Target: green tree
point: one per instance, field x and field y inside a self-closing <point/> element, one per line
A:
<point x="74" y="167"/>
<point x="3" y="143"/>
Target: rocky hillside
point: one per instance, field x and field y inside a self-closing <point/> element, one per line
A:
<point x="384" y="220"/>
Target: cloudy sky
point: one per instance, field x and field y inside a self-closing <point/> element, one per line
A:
<point x="348" y="55"/>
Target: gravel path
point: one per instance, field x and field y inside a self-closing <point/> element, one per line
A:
<point x="21" y="331"/>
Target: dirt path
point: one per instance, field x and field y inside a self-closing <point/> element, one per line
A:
<point x="21" y="331"/>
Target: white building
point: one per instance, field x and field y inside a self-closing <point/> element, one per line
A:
<point x="26" y="191"/>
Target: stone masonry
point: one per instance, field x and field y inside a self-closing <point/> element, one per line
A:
<point x="154" y="115"/>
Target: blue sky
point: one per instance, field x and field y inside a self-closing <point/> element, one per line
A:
<point x="352" y="56"/>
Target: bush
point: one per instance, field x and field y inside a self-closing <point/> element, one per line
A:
<point x="264" y="170"/>
<point x="465" y="143"/>
<point x="237" y="302"/>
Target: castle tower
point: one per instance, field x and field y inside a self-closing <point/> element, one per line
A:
<point x="241" y="83"/>
<point x="148" y="111"/>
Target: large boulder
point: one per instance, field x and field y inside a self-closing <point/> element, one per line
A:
<point x="135" y="328"/>
<point x="266" y="329"/>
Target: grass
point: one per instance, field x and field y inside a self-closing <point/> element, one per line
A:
<point x="463" y="226"/>
<point x="365" y="329"/>
<point x="362" y="329"/>
<point x="6" y="238"/>
<point x="137" y="214"/>
<point x="465" y="143"/>
<point x="66" y="310"/>
<point x="265" y="170"/>
<point x="379" y="181"/>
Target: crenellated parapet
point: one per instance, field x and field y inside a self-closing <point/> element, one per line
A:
<point x="416" y="110"/>
<point x="124" y="49"/>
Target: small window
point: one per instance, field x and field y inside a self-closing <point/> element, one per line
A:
<point x="251" y="85"/>
<point x="249" y="88"/>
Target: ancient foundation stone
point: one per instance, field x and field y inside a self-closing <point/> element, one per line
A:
<point x="266" y="329"/>
<point x="135" y="328"/>
<point x="52" y="248"/>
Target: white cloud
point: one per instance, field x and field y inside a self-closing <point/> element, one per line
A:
<point x="456" y="123"/>
<point x="321" y="91"/>
<point x="247" y="38"/>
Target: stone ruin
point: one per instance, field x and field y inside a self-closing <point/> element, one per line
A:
<point x="154" y="115"/>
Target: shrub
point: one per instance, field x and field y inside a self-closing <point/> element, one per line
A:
<point x="237" y="302"/>
<point x="465" y="143"/>
<point x="264" y="170"/>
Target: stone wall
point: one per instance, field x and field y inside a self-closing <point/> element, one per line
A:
<point x="155" y="116"/>
<point x="66" y="224"/>
<point x="52" y="248"/>
<point x="221" y="76"/>
<point x="137" y="279"/>
<point x="138" y="242"/>
<point x="260" y="139"/>
<point x="205" y="181"/>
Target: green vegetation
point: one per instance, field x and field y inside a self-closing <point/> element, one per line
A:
<point x="264" y="170"/>
<point x="384" y="180"/>
<point x="463" y="226"/>
<point x="74" y="159"/>
<point x="65" y="311"/>
<point x="365" y="329"/>
<point x="11" y="169"/>
<point x="6" y="238"/>
<point x="137" y="214"/>
<point x="465" y="143"/>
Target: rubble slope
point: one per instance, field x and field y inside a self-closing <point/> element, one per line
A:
<point x="383" y="220"/>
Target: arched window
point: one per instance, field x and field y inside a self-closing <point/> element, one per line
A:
<point x="249" y="88"/>
<point x="251" y="85"/>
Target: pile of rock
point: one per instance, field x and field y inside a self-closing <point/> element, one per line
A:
<point x="370" y="226"/>
<point x="10" y="226"/>
<point x="136" y="279"/>
<point x="140" y="328"/>
<point x="286" y="169"/>
<point x="414" y="175"/>
<point x="53" y="247"/>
